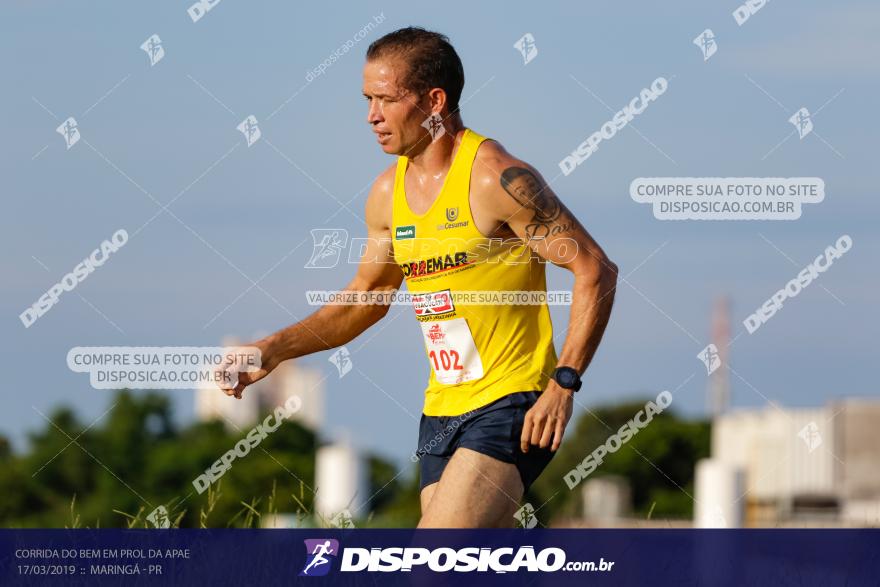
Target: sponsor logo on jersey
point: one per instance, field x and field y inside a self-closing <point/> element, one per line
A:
<point x="433" y="303"/>
<point x="402" y="232"/>
<point x="433" y="265"/>
<point x="452" y="225"/>
<point x="451" y="217"/>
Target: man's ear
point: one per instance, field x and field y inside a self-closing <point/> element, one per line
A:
<point x="437" y="99"/>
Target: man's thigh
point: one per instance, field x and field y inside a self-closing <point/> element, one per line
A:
<point x="475" y="491"/>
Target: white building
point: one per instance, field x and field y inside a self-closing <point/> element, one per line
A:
<point x="606" y="499"/>
<point x="809" y="466"/>
<point x="340" y="483"/>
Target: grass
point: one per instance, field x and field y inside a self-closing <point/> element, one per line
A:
<point x="249" y="516"/>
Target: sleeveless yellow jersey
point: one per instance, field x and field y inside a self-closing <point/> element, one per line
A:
<point x="480" y="346"/>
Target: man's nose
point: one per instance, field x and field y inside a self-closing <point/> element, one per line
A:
<point x="374" y="113"/>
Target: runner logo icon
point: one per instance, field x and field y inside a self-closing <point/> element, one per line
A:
<point x="320" y="552"/>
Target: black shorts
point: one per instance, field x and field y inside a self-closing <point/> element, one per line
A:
<point x="492" y="430"/>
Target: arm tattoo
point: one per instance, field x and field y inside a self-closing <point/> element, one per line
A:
<point x="549" y="216"/>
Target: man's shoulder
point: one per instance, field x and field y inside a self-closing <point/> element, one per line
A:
<point x="490" y="152"/>
<point x="491" y="160"/>
<point x="383" y="185"/>
<point x="381" y="197"/>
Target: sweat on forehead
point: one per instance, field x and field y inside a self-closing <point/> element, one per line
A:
<point x="385" y="77"/>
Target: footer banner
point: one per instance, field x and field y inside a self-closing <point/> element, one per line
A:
<point x="437" y="557"/>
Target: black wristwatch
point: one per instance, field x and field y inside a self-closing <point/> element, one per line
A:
<point x="567" y="378"/>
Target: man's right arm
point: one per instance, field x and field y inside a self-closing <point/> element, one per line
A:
<point x="335" y="325"/>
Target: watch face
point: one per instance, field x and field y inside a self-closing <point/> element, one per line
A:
<point x="565" y="378"/>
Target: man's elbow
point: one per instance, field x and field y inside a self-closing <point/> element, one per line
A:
<point x="610" y="271"/>
<point x="600" y="272"/>
<point x="379" y="304"/>
<point x="607" y="275"/>
<point x="380" y="311"/>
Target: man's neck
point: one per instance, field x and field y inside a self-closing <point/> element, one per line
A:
<point x="437" y="156"/>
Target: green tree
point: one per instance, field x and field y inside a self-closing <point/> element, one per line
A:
<point x="658" y="462"/>
<point x="134" y="459"/>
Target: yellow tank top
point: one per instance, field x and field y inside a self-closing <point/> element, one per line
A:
<point x="480" y="346"/>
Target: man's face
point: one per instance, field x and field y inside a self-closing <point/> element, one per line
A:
<point x="395" y="113"/>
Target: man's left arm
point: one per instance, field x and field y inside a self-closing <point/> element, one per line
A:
<point x="535" y="214"/>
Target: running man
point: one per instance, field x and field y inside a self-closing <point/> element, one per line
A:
<point x="319" y="552"/>
<point x="455" y="213"/>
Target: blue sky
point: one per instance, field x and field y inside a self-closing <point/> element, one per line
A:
<point x="154" y="132"/>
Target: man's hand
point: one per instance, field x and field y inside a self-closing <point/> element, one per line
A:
<point x="545" y="422"/>
<point x="244" y="365"/>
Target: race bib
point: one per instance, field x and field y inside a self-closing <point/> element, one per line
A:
<point x="451" y="351"/>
